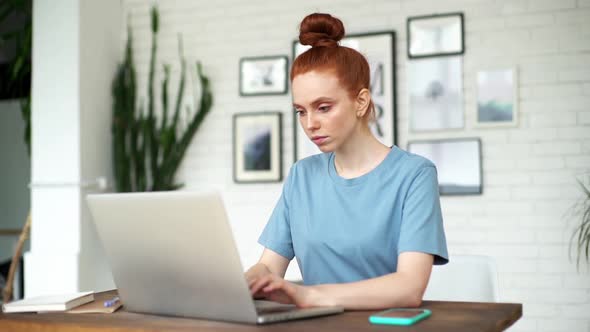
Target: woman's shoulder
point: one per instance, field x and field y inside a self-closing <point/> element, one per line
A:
<point x="312" y="163"/>
<point x="409" y="167"/>
<point x="413" y="162"/>
<point x="306" y="168"/>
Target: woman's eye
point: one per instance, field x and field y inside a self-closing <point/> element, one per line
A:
<point x="324" y="108"/>
<point x="299" y="111"/>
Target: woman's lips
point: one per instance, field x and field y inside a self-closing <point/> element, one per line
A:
<point x="319" y="140"/>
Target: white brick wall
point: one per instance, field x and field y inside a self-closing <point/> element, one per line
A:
<point x="521" y="219"/>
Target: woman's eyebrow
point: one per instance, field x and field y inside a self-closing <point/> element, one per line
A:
<point x="316" y="102"/>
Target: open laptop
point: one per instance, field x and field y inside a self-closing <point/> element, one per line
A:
<point x="173" y="253"/>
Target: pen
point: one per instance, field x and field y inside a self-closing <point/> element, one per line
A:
<point x="111" y="302"/>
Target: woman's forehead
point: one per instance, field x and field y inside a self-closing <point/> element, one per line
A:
<point x="312" y="85"/>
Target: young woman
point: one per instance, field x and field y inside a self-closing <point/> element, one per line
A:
<point x="362" y="219"/>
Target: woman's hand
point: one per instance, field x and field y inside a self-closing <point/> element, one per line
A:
<point x="275" y="288"/>
<point x="257" y="271"/>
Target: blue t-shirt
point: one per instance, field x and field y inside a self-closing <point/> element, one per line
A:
<point x="345" y="230"/>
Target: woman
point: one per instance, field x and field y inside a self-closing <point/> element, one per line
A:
<point x="362" y="219"/>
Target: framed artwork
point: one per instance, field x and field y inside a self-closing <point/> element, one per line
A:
<point x="263" y="75"/>
<point x="458" y="164"/>
<point x="497" y="98"/>
<point x="436" y="94"/>
<point x="379" y="49"/>
<point x="435" y="35"/>
<point x="257" y="147"/>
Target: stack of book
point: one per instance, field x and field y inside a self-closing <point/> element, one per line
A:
<point x="49" y="303"/>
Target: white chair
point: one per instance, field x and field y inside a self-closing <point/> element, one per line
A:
<point x="465" y="278"/>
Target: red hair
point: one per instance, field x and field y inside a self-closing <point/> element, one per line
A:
<point x="323" y="32"/>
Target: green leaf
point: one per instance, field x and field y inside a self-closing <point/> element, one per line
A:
<point x="16" y="67"/>
<point x="155" y="19"/>
<point x="582" y="232"/>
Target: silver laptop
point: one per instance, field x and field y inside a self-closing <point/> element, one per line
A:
<point x="173" y="253"/>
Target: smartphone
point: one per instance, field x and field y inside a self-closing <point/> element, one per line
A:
<point x="399" y="316"/>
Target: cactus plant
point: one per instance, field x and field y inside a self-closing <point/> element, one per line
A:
<point x="147" y="151"/>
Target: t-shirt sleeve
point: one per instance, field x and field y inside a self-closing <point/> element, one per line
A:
<point x="276" y="235"/>
<point x="422" y="224"/>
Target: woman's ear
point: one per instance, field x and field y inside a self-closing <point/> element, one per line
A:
<point x="363" y="100"/>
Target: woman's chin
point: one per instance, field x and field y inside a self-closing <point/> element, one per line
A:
<point x="326" y="148"/>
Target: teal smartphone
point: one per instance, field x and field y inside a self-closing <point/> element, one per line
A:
<point x="399" y="316"/>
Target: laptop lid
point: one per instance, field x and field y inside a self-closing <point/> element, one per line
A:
<point x="173" y="253"/>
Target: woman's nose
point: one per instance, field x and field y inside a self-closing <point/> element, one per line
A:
<point x="311" y="122"/>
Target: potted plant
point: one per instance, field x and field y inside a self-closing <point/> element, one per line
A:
<point x="15" y="76"/>
<point x="581" y="234"/>
<point x="147" y="151"/>
<point x="15" y="82"/>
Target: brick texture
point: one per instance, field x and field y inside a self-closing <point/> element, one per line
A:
<point x="522" y="220"/>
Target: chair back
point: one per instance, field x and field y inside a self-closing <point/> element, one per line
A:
<point x="470" y="278"/>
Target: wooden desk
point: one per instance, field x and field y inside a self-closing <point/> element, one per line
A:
<point x="446" y="316"/>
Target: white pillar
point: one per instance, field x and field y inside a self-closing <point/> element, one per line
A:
<point x="76" y="46"/>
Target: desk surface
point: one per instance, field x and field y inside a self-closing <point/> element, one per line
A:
<point x="446" y="316"/>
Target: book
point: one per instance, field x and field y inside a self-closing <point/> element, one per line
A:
<point x="49" y="303"/>
<point x="98" y="305"/>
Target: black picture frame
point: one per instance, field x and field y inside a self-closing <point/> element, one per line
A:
<point x="257" y="147"/>
<point x="263" y="75"/>
<point x="383" y="87"/>
<point x="419" y="45"/>
<point x="458" y="162"/>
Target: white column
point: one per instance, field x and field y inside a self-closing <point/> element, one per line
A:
<point x="75" y="49"/>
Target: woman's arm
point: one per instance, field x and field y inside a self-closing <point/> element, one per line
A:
<point x="403" y="288"/>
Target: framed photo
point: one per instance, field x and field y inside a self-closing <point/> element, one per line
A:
<point x="497" y="98"/>
<point x="436" y="94"/>
<point x="458" y="164"/>
<point x="379" y="49"/>
<point x="257" y="150"/>
<point x="263" y="75"/>
<point x="435" y="35"/>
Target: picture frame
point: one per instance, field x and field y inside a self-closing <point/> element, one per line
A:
<point x="435" y="88"/>
<point x="496" y="97"/>
<point x="257" y="147"/>
<point x="458" y="162"/>
<point x="263" y="76"/>
<point x="380" y="49"/>
<point x="435" y="35"/>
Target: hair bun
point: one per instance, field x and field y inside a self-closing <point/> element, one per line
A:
<point x="320" y="30"/>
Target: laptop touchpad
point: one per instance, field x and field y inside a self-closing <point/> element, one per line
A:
<point x="268" y="307"/>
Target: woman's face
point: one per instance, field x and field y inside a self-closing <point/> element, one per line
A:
<point x="326" y="112"/>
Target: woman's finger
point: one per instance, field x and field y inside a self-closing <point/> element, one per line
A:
<point x="251" y="282"/>
<point x="259" y="284"/>
<point x="273" y="285"/>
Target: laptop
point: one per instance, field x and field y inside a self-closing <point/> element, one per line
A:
<point x="173" y="253"/>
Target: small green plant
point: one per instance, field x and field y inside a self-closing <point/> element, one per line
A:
<point x="18" y="84"/>
<point x="582" y="231"/>
<point x="147" y="151"/>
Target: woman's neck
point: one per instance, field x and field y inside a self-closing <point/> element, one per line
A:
<point x="359" y="155"/>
